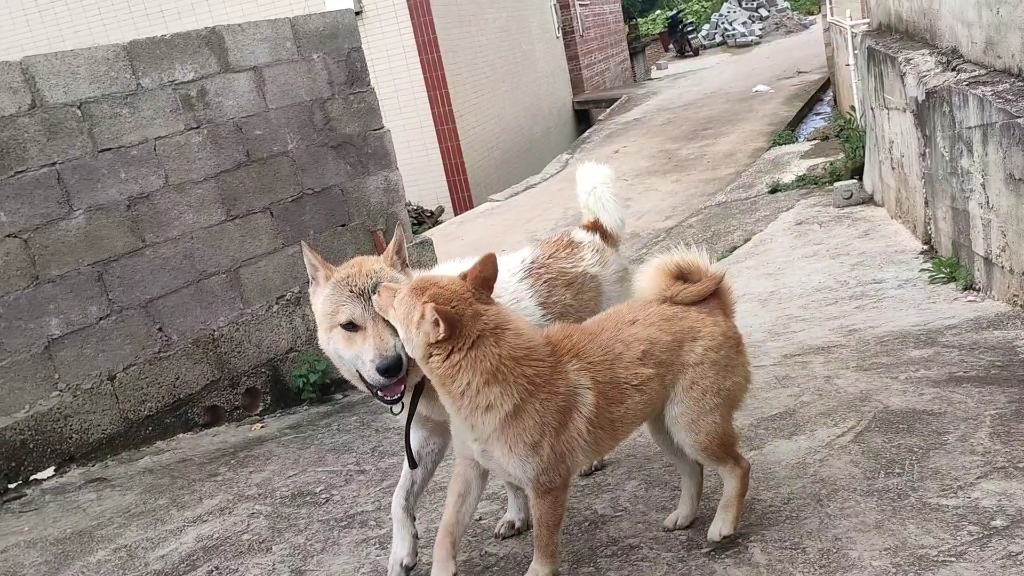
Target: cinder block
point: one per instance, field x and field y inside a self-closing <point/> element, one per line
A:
<point x="201" y="153"/>
<point x="15" y="95"/>
<point x="30" y="200"/>
<point x="277" y="131"/>
<point x="421" y="253"/>
<point x="257" y="185"/>
<point x="221" y="98"/>
<point x="174" y="58"/>
<point x="311" y="214"/>
<point x="377" y="154"/>
<point x="227" y="245"/>
<point x="25" y="380"/>
<point x="82" y="240"/>
<point x="265" y="279"/>
<point x="74" y="75"/>
<point x="348" y="73"/>
<point x="849" y="193"/>
<point x="340" y="244"/>
<point x="206" y="305"/>
<point x="178" y="210"/>
<point x="264" y="334"/>
<point x="118" y="121"/>
<point x="66" y="427"/>
<point x="16" y="268"/>
<point x="44" y="136"/>
<point x="104" y="347"/>
<point x="379" y="199"/>
<point x="293" y="82"/>
<point x="332" y="33"/>
<point x="152" y="272"/>
<point x="146" y="388"/>
<point x="257" y="43"/>
<point x="320" y="167"/>
<point x="355" y="113"/>
<point x="112" y="176"/>
<point x="50" y="310"/>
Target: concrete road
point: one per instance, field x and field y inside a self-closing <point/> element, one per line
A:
<point x="680" y="141"/>
<point x="885" y="425"/>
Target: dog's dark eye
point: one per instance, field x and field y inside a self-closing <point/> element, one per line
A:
<point x="350" y="326"/>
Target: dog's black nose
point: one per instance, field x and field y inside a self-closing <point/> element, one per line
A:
<point x="391" y="367"/>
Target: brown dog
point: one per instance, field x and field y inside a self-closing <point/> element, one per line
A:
<point x="533" y="405"/>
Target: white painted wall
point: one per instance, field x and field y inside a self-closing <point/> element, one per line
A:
<point x="394" y="64"/>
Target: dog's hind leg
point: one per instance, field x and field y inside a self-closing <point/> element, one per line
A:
<point x="429" y="440"/>
<point x="692" y="472"/>
<point x="710" y="438"/>
<point x="465" y="488"/>
<point x="517" y="517"/>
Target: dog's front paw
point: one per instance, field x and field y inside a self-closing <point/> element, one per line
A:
<point x="537" y="570"/>
<point x="679" y="520"/>
<point x="595" y="466"/>
<point x="510" y="526"/>
<point x="720" y="530"/>
<point x="443" y="569"/>
<point x="402" y="564"/>
<point x="404" y="556"/>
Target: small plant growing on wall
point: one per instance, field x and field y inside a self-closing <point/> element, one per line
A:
<point x="312" y="379"/>
<point x="949" y="270"/>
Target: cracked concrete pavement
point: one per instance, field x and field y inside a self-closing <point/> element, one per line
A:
<point x="885" y="425"/>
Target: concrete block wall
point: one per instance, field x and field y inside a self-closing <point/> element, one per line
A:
<point x="986" y="32"/>
<point x="944" y="154"/>
<point x="153" y="194"/>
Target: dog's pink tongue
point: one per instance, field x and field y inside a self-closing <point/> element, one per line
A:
<point x="395" y="388"/>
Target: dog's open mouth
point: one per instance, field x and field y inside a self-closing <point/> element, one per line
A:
<point x="392" y="393"/>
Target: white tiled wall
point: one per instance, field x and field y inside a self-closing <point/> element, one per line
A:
<point x="509" y="85"/>
<point x="40" y="26"/>
<point x="394" y="64"/>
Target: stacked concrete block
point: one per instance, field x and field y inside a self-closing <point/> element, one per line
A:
<point x="153" y="196"/>
<point x="739" y="22"/>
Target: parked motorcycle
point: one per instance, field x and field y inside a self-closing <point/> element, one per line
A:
<point x="682" y="35"/>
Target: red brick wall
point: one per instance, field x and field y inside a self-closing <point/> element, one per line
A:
<point x="596" y="53"/>
<point x="655" y="52"/>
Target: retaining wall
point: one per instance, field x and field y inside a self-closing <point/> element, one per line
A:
<point x="944" y="154"/>
<point x="986" y="32"/>
<point x="152" y="197"/>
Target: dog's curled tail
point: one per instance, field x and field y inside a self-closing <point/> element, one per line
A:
<point x="683" y="276"/>
<point x="601" y="212"/>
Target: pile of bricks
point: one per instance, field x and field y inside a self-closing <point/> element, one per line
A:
<point x="740" y="22"/>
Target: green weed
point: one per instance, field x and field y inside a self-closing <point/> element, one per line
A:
<point x="784" y="138"/>
<point x="806" y="7"/>
<point x="312" y="378"/>
<point x="816" y="177"/>
<point x="949" y="270"/>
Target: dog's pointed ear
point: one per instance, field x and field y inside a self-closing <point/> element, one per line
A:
<point x="318" y="269"/>
<point x="442" y="323"/>
<point x="397" y="255"/>
<point x="483" y="274"/>
<point x="383" y="297"/>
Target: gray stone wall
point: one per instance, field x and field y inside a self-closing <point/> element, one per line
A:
<point x="944" y="154"/>
<point x="986" y="32"/>
<point x="152" y="195"/>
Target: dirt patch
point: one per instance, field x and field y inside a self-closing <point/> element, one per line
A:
<point x="779" y="25"/>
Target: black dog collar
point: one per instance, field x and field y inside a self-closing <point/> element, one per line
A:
<point x="417" y="391"/>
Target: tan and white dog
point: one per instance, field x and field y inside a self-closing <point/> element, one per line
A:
<point x="531" y="405"/>
<point x="565" y="278"/>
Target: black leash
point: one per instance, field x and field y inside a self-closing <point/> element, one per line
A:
<point x="417" y="391"/>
